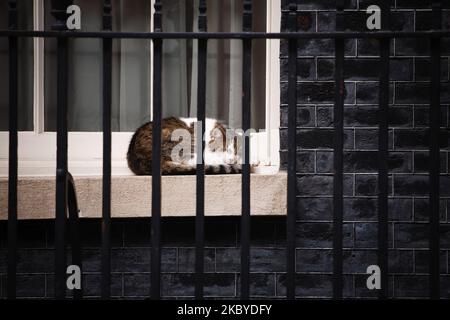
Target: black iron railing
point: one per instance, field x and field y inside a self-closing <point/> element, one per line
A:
<point x="106" y="186"/>
<point x="155" y="271"/>
<point x="383" y="154"/>
<point x="201" y="114"/>
<point x="65" y="190"/>
<point x="13" y="153"/>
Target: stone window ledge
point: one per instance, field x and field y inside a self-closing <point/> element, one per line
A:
<point x="131" y="196"/>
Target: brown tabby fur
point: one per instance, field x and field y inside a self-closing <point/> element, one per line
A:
<point x="139" y="154"/>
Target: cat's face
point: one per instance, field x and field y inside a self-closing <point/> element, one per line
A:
<point x="221" y="144"/>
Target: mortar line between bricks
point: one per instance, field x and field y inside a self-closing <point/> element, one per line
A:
<point x="122" y="234"/>
<point x="396" y="174"/>
<point x="177" y="259"/>
<point x="446" y="162"/>
<point x="275" y="281"/>
<point x="447" y="218"/>
<point x="315" y="116"/>
<point x="447" y="267"/>
<point x="373" y="197"/>
<point x="353" y="236"/>
<point x="33" y="273"/>
<point x="394" y="90"/>
<point x="361" y="104"/>
<point x="236" y="284"/>
<point x="215" y="259"/>
<point x="360" y="81"/>
<point x="353" y="185"/>
<point x="45" y="286"/>
<point x="367" y="56"/>
<point x="392" y="286"/>
<point x="122" y="284"/>
<point x="358" y="221"/>
<point x="316" y="15"/>
<point x="392" y="179"/>
<point x="393" y="235"/>
<point x="448" y="69"/>
<point x="299" y="150"/>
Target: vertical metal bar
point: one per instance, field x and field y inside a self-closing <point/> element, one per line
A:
<point x="61" y="171"/>
<point x="292" y="155"/>
<point x="156" y="158"/>
<point x="106" y="193"/>
<point x="59" y="12"/>
<point x="435" y="120"/>
<point x="201" y="102"/>
<point x="74" y="226"/>
<point x="338" y="155"/>
<point x="383" y="153"/>
<point x="246" y="103"/>
<point x="12" y="176"/>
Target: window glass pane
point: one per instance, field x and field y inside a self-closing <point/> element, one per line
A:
<point x="84" y="73"/>
<point x="175" y="75"/>
<point x="131" y="66"/>
<point x="224" y="62"/>
<point x="131" y="70"/>
<point x="25" y="99"/>
<point x="259" y="67"/>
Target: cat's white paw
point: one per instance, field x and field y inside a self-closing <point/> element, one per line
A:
<point x="255" y="163"/>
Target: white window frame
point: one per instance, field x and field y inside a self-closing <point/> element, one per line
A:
<point x="37" y="148"/>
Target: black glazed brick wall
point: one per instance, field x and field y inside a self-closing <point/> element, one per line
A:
<point x="408" y="160"/>
<point x="131" y="258"/>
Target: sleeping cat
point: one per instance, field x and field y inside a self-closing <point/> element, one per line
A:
<point x="220" y="154"/>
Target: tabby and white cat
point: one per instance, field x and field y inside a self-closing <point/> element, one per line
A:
<point x="221" y="155"/>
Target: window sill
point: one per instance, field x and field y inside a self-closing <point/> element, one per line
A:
<point x="131" y="196"/>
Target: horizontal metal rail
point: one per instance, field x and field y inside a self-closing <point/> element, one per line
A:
<point x="227" y="35"/>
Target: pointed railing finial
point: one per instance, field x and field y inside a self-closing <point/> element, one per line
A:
<point x="157" y="16"/>
<point x="292" y="25"/>
<point x="293" y="5"/>
<point x="385" y="14"/>
<point x="107" y="17"/>
<point x="202" y="20"/>
<point x="58" y="11"/>
<point x="340" y="4"/>
<point x="247" y="18"/>
<point x="12" y="9"/>
<point x="437" y="14"/>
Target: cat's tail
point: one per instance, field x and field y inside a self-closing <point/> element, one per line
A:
<point x="173" y="168"/>
<point x="223" y="169"/>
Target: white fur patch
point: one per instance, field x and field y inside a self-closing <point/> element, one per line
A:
<point x="224" y="157"/>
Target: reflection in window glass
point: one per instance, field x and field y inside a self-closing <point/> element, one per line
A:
<point x="25" y="99"/>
